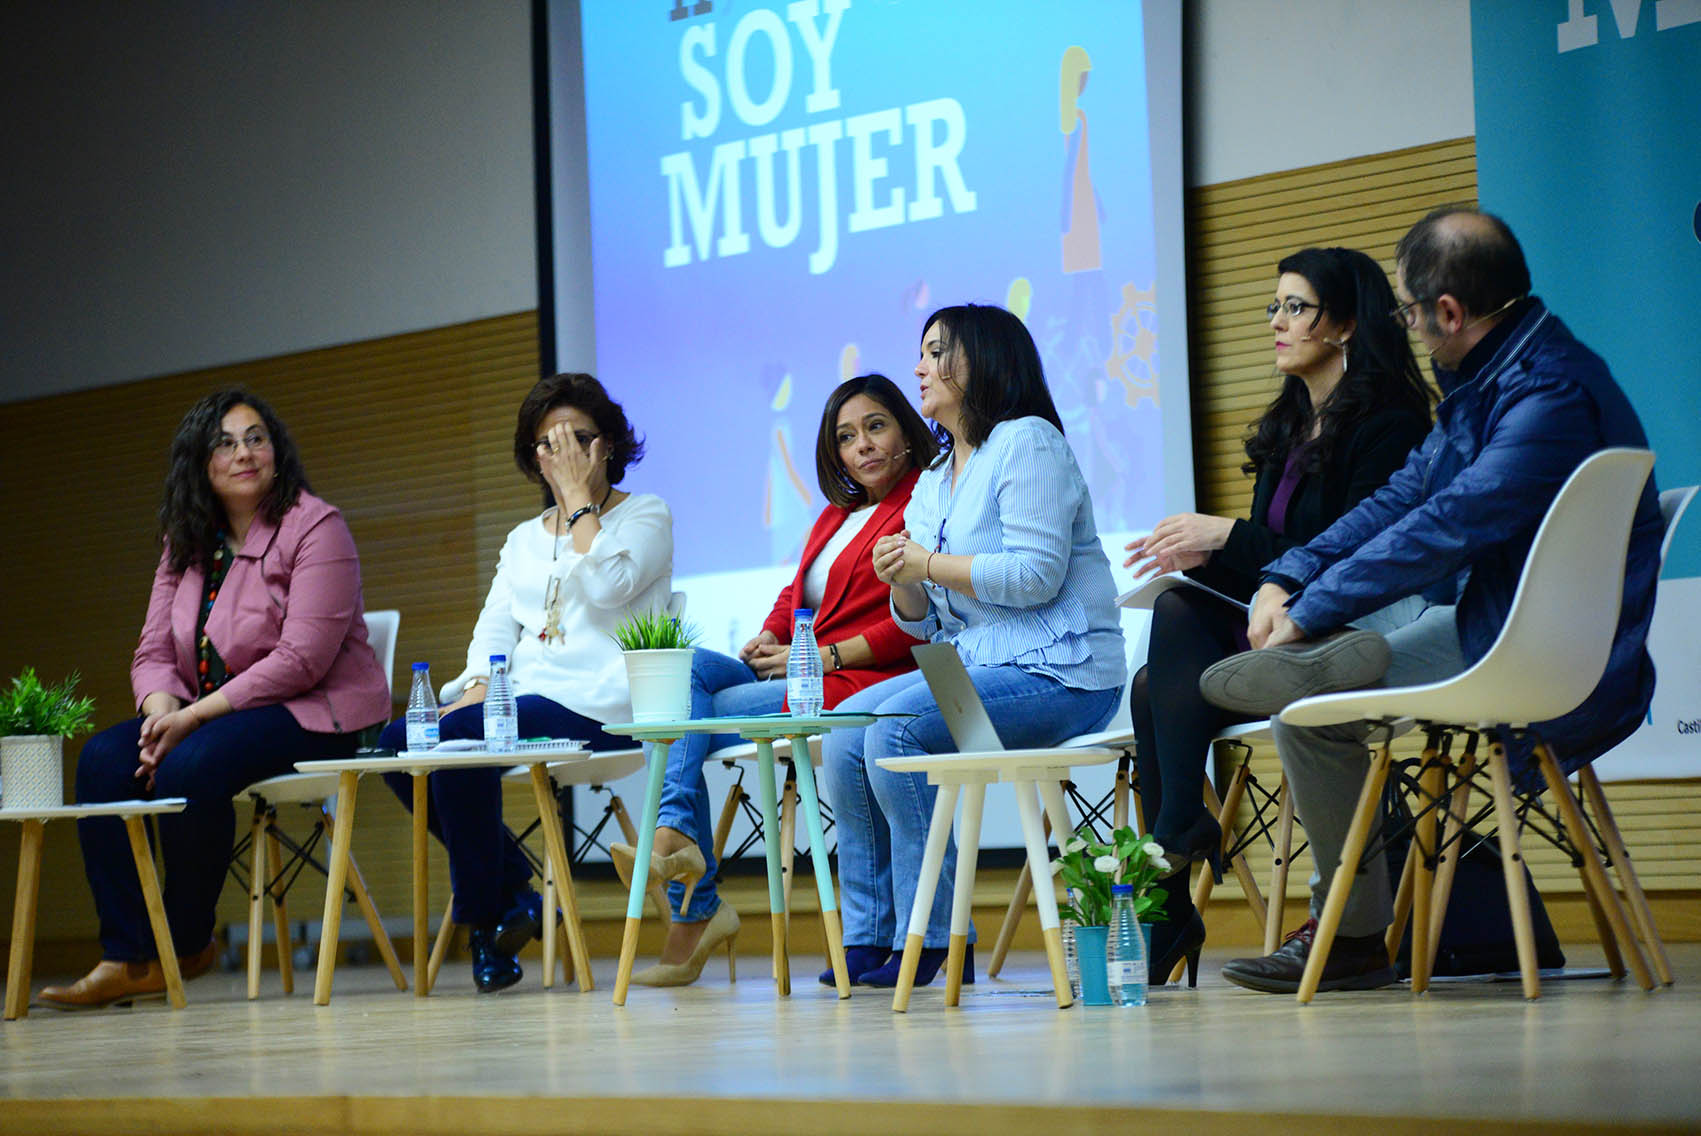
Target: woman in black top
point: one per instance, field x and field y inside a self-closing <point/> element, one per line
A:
<point x="1352" y="406"/>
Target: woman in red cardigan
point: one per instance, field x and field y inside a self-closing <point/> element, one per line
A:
<point x="870" y="447"/>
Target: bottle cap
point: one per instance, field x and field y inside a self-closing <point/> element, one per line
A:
<point x="499" y="658"/>
<point x="422" y="666"/>
<point x="803" y="613"/>
<point x="1122" y="889"/>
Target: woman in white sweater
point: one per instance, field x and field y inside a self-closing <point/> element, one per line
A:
<point x="564" y="580"/>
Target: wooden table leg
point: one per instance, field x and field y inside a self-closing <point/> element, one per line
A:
<point x="144" y="857"/>
<point x="771" y="838"/>
<point x="926" y="884"/>
<point x="561" y="871"/>
<point x="336" y="879"/>
<point x="421" y="885"/>
<point x="962" y="895"/>
<point x="805" y="772"/>
<point x="18" y="965"/>
<point x="1045" y="892"/>
<point x="657" y="751"/>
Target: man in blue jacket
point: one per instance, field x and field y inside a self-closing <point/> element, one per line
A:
<point x="1524" y="403"/>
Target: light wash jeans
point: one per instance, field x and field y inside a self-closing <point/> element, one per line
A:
<point x="720" y="687"/>
<point x="882" y="818"/>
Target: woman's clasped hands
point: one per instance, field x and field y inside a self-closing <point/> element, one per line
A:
<point x="898" y="560"/>
<point x="1177" y="543"/>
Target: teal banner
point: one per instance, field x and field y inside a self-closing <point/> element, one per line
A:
<point x="1589" y="144"/>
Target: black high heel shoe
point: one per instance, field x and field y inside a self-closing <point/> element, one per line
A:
<point x="1171" y="942"/>
<point x="1202" y="840"/>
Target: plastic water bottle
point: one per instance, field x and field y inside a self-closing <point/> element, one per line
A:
<point x="501" y="719"/>
<point x="1071" y="960"/>
<point x="803" y="668"/>
<point x="422" y="710"/>
<point x="1125" y="952"/>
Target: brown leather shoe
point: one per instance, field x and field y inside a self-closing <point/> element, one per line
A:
<point x="108" y="983"/>
<point x="197" y="964"/>
<point x="1356" y="962"/>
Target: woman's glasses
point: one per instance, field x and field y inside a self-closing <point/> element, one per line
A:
<point x="255" y="441"/>
<point x="1293" y="306"/>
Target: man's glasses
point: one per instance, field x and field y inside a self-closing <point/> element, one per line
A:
<point x="1407" y="314"/>
<point x="1293" y="306"/>
<point x="255" y="441"/>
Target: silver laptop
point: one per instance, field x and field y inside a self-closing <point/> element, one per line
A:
<point x="959" y="703"/>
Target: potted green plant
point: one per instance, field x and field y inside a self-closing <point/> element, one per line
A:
<point x="658" y="650"/>
<point x="1088" y="867"/>
<point x="35" y="720"/>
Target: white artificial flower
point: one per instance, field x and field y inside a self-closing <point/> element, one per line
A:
<point x="1056" y="867"/>
<point x="1106" y="864"/>
<point x="1155" y="850"/>
<point x="1160" y="863"/>
<point x="1075" y="844"/>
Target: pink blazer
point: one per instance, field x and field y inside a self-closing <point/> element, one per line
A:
<point x="288" y="622"/>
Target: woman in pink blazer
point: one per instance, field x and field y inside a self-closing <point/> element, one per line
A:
<point x="253" y="657"/>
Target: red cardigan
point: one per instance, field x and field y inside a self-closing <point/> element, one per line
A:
<point x="854" y="601"/>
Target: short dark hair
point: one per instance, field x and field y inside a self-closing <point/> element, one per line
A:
<point x="1005" y="377"/>
<point x="1381" y="369"/>
<point x="837" y="485"/>
<point x="582" y="392"/>
<point x="191" y="517"/>
<point x="1460" y="251"/>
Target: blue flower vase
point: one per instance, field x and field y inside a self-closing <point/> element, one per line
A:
<point x="1090" y="949"/>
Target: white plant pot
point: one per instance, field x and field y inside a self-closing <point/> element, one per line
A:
<point x="661" y="684"/>
<point x="32" y="771"/>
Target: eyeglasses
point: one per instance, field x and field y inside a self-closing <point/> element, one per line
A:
<point x="542" y="445"/>
<point x="1406" y="314"/>
<point x="255" y="441"/>
<point x="1293" y="306"/>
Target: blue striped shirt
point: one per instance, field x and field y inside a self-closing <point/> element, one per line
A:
<point x="1044" y="599"/>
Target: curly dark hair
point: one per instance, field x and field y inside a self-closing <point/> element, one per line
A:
<point x="191" y="517"/>
<point x="837" y="485"/>
<point x="1381" y="368"/>
<point x="1005" y="377"/>
<point x="582" y="392"/>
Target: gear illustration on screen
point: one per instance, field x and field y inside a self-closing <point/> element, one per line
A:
<point x="1133" y="358"/>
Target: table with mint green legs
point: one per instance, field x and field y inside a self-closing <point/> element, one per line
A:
<point x="763" y="731"/>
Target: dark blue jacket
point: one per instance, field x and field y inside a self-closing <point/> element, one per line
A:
<point x="1466" y="506"/>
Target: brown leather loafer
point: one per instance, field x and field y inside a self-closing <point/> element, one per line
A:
<point x="1356" y="962"/>
<point x="109" y="983"/>
<point x="199" y="963"/>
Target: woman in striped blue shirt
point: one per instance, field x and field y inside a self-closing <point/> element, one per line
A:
<point x="999" y="556"/>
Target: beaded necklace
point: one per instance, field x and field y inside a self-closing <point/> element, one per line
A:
<point x="211" y="672"/>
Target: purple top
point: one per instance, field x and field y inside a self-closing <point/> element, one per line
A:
<point x="1277" y="519"/>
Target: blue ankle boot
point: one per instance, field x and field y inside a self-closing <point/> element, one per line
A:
<point x="858" y="960"/>
<point x="932" y="958"/>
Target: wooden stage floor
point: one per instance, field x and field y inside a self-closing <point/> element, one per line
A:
<point x="1591" y="1054"/>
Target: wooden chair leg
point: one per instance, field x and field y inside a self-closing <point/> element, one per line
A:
<point x="256" y="895"/>
<point x="1402" y="908"/>
<point x="1618" y="856"/>
<point x="788" y="837"/>
<point x="1045" y="892"/>
<point x="926" y="885"/>
<point x="375" y="924"/>
<point x="1432" y="779"/>
<point x="144" y="857"/>
<point x="440" y="948"/>
<point x="1340" y="885"/>
<point x="283" y="947"/>
<point x="555" y="848"/>
<point x="1013" y="915"/>
<point x="1512" y="866"/>
<point x="1458" y="808"/>
<point x="1279" y="863"/>
<point x="963" y="893"/>
<point x="22" y="957"/>
<point x="1595" y="875"/>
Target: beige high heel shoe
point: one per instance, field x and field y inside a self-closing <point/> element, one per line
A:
<point x="722" y="928"/>
<point x="684" y="864"/>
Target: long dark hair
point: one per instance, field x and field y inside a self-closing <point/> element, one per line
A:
<point x="837" y="485"/>
<point x="1005" y="377"/>
<point x="1381" y="368"/>
<point x="191" y="517"/>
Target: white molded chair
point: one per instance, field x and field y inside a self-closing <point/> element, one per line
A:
<point x="1548" y="657"/>
<point x="270" y="874"/>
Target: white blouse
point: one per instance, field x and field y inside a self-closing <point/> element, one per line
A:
<point x="628" y="569"/>
<point x="815" y="579"/>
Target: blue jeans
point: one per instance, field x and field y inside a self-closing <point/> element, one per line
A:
<point x="882" y="818"/>
<point x="720" y="687"/>
<point x="209" y="767"/>
<point x="487" y="870"/>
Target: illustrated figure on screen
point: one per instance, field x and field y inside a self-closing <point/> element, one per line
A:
<point x="1082" y="210"/>
<point x="785" y="504"/>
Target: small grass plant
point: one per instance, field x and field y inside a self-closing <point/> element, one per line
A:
<point x="30" y="706"/>
<point x="655" y="631"/>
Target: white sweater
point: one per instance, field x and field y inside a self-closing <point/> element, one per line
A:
<point x="628" y="569"/>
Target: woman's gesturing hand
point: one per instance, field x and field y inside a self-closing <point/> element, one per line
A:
<point x="1177" y="543"/>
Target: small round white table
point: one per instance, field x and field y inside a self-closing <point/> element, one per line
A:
<point x="29" y="887"/>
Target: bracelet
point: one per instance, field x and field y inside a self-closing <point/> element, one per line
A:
<point x="927" y="572"/>
<point x="594" y="510"/>
<point x="833" y="650"/>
